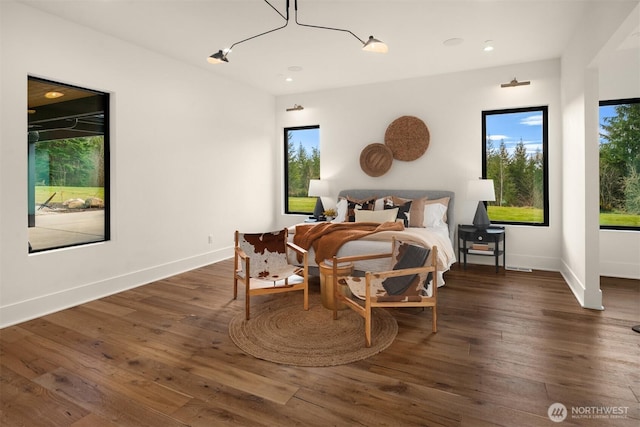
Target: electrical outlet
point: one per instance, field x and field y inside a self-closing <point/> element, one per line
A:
<point x="210" y="238"/>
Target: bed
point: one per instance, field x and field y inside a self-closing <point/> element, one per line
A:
<point x="427" y="217"/>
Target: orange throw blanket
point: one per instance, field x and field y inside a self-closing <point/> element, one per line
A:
<point x="327" y="238"/>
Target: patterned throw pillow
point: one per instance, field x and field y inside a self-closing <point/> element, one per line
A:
<point x="353" y="204"/>
<point x="416" y="212"/>
<point x="404" y="208"/>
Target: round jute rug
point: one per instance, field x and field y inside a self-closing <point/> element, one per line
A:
<point x="281" y="331"/>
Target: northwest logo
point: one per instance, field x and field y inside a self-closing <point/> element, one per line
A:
<point x="557" y="412"/>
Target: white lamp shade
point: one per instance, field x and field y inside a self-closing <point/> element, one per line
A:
<point x="481" y="190"/>
<point x="318" y="188"/>
<point x="375" y="45"/>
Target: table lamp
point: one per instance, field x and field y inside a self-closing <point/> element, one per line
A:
<point x="483" y="191"/>
<point x="318" y="188"/>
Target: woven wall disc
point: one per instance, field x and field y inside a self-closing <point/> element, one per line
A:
<point x="407" y="137"/>
<point x="376" y="159"/>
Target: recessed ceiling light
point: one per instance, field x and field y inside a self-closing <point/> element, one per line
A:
<point x="53" y="95"/>
<point x="288" y="79"/>
<point x="455" y="41"/>
<point x="488" y="46"/>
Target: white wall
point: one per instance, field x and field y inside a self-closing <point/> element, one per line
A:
<point x="580" y="97"/>
<point x="619" y="78"/>
<point x="451" y="106"/>
<point x="186" y="149"/>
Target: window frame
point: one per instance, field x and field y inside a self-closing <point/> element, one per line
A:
<point x="544" y="110"/>
<point x="286" y="131"/>
<point x="105" y="103"/>
<point x="604" y="103"/>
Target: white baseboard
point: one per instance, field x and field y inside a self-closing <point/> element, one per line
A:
<point x="22" y="311"/>
<point x="620" y="269"/>
<point x="519" y="262"/>
<point x="578" y="288"/>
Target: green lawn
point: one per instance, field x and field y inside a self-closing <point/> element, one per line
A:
<point x="302" y="204"/>
<point x="516" y="214"/>
<point x="621" y="219"/>
<point x="66" y="193"/>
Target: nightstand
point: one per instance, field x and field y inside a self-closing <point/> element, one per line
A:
<point x="475" y="241"/>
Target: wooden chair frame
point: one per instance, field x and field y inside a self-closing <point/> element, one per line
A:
<point x="241" y="257"/>
<point x="365" y="307"/>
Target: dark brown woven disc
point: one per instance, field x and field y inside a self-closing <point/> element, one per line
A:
<point x="407" y="137"/>
<point x="376" y="159"/>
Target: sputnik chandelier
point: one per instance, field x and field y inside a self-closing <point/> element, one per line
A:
<point x="371" y="45"/>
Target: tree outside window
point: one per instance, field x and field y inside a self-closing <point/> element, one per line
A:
<point x="515" y="157"/>
<point x="620" y="164"/>
<point x="68" y="165"/>
<point x="302" y="164"/>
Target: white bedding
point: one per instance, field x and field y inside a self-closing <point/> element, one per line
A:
<point x="381" y="242"/>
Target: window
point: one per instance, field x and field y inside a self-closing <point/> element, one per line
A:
<point x="68" y="165"/>
<point x="302" y="163"/>
<point x="515" y="157"/>
<point x="620" y="164"/>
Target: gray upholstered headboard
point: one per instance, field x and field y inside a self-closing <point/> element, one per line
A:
<point x="409" y="194"/>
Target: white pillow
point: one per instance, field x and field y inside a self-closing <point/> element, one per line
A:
<point x="384" y="215"/>
<point x="434" y="215"/>
<point x="341" y="210"/>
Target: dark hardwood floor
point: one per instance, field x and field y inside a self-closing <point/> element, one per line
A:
<point x="508" y="346"/>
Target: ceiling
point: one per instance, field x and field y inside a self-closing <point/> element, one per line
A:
<point x="317" y="59"/>
<point x="73" y="113"/>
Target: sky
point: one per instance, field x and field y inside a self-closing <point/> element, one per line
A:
<point x="308" y="137"/>
<point x="512" y="127"/>
<point x="528" y="126"/>
<point x="606" y="111"/>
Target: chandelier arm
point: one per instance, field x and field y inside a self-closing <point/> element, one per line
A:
<point x="286" y="18"/>
<point x="321" y="27"/>
<point x="258" y="35"/>
<point x="371" y="45"/>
